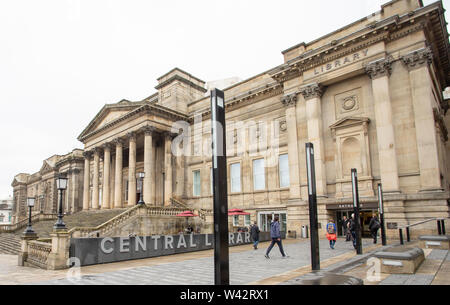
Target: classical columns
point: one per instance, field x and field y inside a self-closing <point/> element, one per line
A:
<point x="423" y="101"/>
<point x="313" y="94"/>
<point x="87" y="171"/>
<point x="95" y="177"/>
<point x="118" y="174"/>
<point x="132" y="170"/>
<point x="168" y="168"/>
<point x="106" y="176"/>
<point x="149" y="166"/>
<point x="290" y="103"/>
<point x="379" y="71"/>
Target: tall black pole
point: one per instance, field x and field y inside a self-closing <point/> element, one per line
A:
<point x="312" y="197"/>
<point x="29" y="230"/>
<point x="141" y="187"/>
<point x="219" y="159"/>
<point x="381" y="212"/>
<point x="60" y="225"/>
<point x="356" y="211"/>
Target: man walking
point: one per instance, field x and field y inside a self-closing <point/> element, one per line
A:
<point x="345" y="228"/>
<point x="275" y="234"/>
<point x="374" y="226"/>
<point x="352" y="228"/>
<point x="254" y="233"/>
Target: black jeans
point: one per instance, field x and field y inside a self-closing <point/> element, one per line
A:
<point x="278" y="242"/>
<point x="374" y="233"/>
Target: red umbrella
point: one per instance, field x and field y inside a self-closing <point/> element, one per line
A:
<point x="186" y="214"/>
<point x="237" y="212"/>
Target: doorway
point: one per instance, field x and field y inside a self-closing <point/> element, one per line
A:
<point x="365" y="217"/>
<point x="266" y="218"/>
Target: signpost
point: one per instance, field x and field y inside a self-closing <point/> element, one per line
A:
<point x="312" y="196"/>
<point x="381" y="211"/>
<point x="219" y="159"/>
<point x="356" y="211"/>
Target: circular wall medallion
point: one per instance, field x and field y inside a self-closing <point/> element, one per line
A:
<point x="349" y="103"/>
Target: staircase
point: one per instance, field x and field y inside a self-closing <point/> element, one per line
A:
<point x="202" y="213"/>
<point x="9" y="244"/>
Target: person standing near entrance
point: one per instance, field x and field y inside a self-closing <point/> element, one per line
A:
<point x="275" y="234"/>
<point x="331" y="233"/>
<point x="374" y="226"/>
<point x="345" y="228"/>
<point x="254" y="233"/>
<point x="352" y="229"/>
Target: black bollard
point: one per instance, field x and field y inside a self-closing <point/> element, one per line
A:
<point x="400" y="231"/>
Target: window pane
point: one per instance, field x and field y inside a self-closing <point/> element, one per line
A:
<point x="284" y="171"/>
<point x="196" y="183"/>
<point x="247" y="220"/>
<point x="235" y="170"/>
<point x="259" y="180"/>
<point x="235" y="220"/>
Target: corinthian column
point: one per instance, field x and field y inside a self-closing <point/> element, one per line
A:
<point x="423" y="101"/>
<point x="118" y="172"/>
<point x="132" y="170"/>
<point x="95" y="179"/>
<point x="168" y="169"/>
<point x="149" y="166"/>
<point x="87" y="172"/>
<point x="290" y="103"/>
<point x="379" y="71"/>
<point x="106" y="177"/>
<point x="313" y="94"/>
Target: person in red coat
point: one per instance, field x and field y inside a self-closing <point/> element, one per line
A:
<point x="331" y="233"/>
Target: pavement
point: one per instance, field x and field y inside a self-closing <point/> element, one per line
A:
<point x="247" y="267"/>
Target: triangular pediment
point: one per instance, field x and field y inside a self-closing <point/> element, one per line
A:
<point x="45" y="168"/>
<point x="350" y="121"/>
<point x="20" y="179"/>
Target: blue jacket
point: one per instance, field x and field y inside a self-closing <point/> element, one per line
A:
<point x="275" y="230"/>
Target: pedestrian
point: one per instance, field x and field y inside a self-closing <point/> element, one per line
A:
<point x="374" y="226"/>
<point x="331" y="233"/>
<point x="352" y="229"/>
<point x="275" y="234"/>
<point x="345" y="228"/>
<point x="254" y="233"/>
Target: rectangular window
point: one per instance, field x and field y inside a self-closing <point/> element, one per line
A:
<point x="284" y="171"/>
<point x="235" y="172"/>
<point x="259" y="178"/>
<point x="196" y="183"/>
<point x="235" y="220"/>
<point x="247" y="220"/>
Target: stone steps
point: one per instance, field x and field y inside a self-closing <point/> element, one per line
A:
<point x="9" y="244"/>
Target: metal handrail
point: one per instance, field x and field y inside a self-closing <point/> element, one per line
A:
<point x="440" y="224"/>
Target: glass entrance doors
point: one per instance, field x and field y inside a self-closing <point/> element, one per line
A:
<point x="266" y="218"/>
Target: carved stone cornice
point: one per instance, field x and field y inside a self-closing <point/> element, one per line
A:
<point x="418" y="58"/>
<point x="379" y="68"/>
<point x="289" y="100"/>
<point x="312" y="91"/>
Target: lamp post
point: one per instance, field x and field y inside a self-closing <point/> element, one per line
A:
<point x="30" y="203"/>
<point x="312" y="196"/>
<point x="141" y="177"/>
<point x="61" y="185"/>
<point x="381" y="212"/>
<point x="356" y="211"/>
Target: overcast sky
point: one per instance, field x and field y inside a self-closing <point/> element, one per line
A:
<point x="62" y="60"/>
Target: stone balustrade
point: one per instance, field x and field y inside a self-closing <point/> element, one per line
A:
<point x="38" y="253"/>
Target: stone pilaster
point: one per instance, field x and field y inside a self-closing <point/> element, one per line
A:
<point x="118" y="198"/>
<point x="106" y="204"/>
<point x="379" y="71"/>
<point x="75" y="187"/>
<point x="168" y="168"/>
<point x="313" y="94"/>
<point x="132" y="170"/>
<point x="95" y="178"/>
<point x="423" y="101"/>
<point x="149" y="166"/>
<point x="290" y="103"/>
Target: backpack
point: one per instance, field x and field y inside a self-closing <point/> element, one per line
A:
<point x="331" y="229"/>
<point x="376" y="224"/>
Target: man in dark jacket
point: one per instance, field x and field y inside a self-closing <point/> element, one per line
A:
<point x="254" y="233"/>
<point x="374" y="226"/>
<point x="275" y="234"/>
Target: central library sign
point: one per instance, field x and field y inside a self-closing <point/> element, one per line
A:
<point x="92" y="251"/>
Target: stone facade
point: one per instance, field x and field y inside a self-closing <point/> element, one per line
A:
<point x="6" y="207"/>
<point x="42" y="186"/>
<point x="368" y="96"/>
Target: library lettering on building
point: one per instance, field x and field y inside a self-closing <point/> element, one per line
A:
<point x="369" y="96"/>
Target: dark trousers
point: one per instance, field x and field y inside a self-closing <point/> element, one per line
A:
<point x="353" y="238"/>
<point x="374" y="233"/>
<point x="278" y="242"/>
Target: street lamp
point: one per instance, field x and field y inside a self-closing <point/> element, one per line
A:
<point x="30" y="203"/>
<point x="141" y="177"/>
<point x="61" y="185"/>
<point x="356" y="211"/>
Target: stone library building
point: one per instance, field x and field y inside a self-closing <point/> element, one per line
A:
<point x="369" y="96"/>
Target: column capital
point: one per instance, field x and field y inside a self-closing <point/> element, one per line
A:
<point x="87" y="154"/>
<point x="312" y="91"/>
<point x="379" y="68"/>
<point x="289" y="100"/>
<point x="169" y="135"/>
<point x="107" y="146"/>
<point x="118" y="142"/>
<point x="131" y="136"/>
<point x="418" y="58"/>
<point x="149" y="130"/>
<point x="97" y="150"/>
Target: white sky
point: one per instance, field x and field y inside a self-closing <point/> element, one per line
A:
<point x="62" y="60"/>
